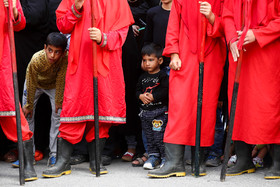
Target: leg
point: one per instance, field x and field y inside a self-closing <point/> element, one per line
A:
<point x="70" y="133"/>
<point x="274" y="171"/>
<point x="244" y="162"/>
<point x="90" y="137"/>
<point x="55" y="117"/>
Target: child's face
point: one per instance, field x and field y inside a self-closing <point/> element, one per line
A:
<point x="53" y="53"/>
<point x="151" y="63"/>
<point x="166" y="1"/>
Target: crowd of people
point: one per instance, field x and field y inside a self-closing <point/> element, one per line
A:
<point x="141" y="58"/>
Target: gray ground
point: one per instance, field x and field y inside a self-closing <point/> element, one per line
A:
<point x="122" y="174"/>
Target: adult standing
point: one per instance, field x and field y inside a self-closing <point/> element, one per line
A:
<point x="182" y="45"/>
<point x="7" y="103"/>
<point x="257" y="119"/>
<point x="112" y="21"/>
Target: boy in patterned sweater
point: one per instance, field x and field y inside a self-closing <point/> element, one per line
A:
<point x="46" y="74"/>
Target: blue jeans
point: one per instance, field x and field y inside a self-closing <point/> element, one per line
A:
<point x="217" y="148"/>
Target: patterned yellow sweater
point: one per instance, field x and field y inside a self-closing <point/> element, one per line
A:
<point x="42" y="74"/>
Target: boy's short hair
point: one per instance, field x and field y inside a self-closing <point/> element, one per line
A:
<point x="152" y="48"/>
<point x="57" y="39"/>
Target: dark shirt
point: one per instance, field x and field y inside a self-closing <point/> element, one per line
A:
<point x="157" y="85"/>
<point x="157" y="20"/>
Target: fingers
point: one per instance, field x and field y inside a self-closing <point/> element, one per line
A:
<point x="6" y="3"/>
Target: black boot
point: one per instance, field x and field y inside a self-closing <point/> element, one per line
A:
<point x="91" y="152"/>
<point x="274" y="170"/>
<point x="29" y="171"/>
<point x="202" y="167"/>
<point x="244" y="163"/>
<point x="62" y="165"/>
<point x="174" y="164"/>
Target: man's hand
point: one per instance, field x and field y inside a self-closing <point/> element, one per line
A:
<point x="135" y="29"/>
<point x="145" y="98"/>
<point x="249" y="38"/>
<point x="206" y="10"/>
<point x="175" y="62"/>
<point x="79" y="4"/>
<point x="57" y="107"/>
<point x="95" y="34"/>
<point x="234" y="50"/>
<point x="150" y="96"/>
<point x="27" y="113"/>
<point x="15" y="11"/>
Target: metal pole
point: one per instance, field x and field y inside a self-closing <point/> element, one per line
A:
<point x="95" y="96"/>
<point x="200" y="95"/>
<point x="16" y="94"/>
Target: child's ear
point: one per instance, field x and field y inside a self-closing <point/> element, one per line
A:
<point x="45" y="46"/>
<point x="160" y="59"/>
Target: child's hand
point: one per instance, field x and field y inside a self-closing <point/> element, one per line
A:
<point x="57" y="107"/>
<point x="145" y="98"/>
<point x="95" y="34"/>
<point x="135" y="29"/>
<point x="234" y="50"/>
<point x="150" y="96"/>
<point x="79" y="4"/>
<point x="249" y="38"/>
<point x="15" y="11"/>
<point x="27" y="113"/>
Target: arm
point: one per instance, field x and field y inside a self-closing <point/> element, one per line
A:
<point x="60" y="84"/>
<point x="162" y="93"/>
<point x="19" y="21"/>
<point x="31" y="85"/>
<point x="67" y="17"/>
<point x="269" y="33"/>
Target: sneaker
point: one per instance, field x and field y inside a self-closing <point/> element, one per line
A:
<point x="213" y="161"/>
<point x="163" y="160"/>
<point x="232" y="161"/>
<point x="51" y="161"/>
<point x="152" y="163"/>
<point x="258" y="162"/>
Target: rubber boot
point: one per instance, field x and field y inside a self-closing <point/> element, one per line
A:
<point x="29" y="171"/>
<point x="202" y="166"/>
<point x="62" y="165"/>
<point x="244" y="163"/>
<point x="274" y="170"/>
<point x="174" y="165"/>
<point x="91" y="152"/>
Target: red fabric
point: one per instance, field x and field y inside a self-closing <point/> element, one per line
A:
<point x="6" y="82"/>
<point x="78" y="94"/>
<point x="183" y="84"/>
<point x="257" y="116"/>
<point x="74" y="132"/>
<point x="117" y="17"/>
<point x="9" y="128"/>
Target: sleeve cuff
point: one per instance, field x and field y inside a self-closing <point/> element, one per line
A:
<point x="103" y="42"/>
<point x="75" y="11"/>
<point x="16" y="22"/>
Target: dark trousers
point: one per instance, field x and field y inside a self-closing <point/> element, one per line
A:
<point x="154" y="124"/>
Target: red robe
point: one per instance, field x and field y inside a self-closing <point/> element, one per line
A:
<point x="7" y="102"/>
<point x="112" y="18"/>
<point x="257" y="117"/>
<point x="182" y="38"/>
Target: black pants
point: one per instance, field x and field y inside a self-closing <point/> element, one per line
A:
<point x="154" y="124"/>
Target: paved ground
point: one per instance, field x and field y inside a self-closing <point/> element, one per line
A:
<point x="122" y="174"/>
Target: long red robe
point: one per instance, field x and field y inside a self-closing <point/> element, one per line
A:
<point x="182" y="38"/>
<point x="113" y="18"/>
<point x="257" y="117"/>
<point x="7" y="102"/>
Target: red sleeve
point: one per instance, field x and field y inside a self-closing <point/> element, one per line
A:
<point x="67" y="17"/>
<point x="20" y="23"/>
<point x="270" y="32"/>
<point x="228" y="21"/>
<point x="115" y="39"/>
<point x="173" y="30"/>
<point x="215" y="30"/>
